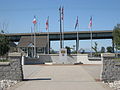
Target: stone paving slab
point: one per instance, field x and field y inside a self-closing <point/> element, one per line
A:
<point x="72" y="77"/>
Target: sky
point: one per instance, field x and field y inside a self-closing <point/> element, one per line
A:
<point x="18" y="16"/>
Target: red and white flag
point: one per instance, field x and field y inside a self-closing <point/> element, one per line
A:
<point x="76" y="23"/>
<point x="62" y="13"/>
<point x="90" y="23"/>
<point x="47" y="24"/>
<point x="34" y="20"/>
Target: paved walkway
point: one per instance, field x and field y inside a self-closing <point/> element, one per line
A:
<point x="70" y="77"/>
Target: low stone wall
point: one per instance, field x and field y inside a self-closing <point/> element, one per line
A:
<point x="11" y="72"/>
<point x="111" y="70"/>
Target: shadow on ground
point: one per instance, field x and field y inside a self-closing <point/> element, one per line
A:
<point x="37" y="79"/>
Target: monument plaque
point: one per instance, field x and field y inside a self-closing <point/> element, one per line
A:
<point x="63" y="56"/>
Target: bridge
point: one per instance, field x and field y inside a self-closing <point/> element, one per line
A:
<point x="83" y="35"/>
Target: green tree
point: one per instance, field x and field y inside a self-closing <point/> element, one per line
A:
<point x="109" y="49"/>
<point x="102" y="49"/>
<point x="116" y="36"/>
<point x="68" y="49"/>
<point x="95" y="47"/>
<point x="4" y="44"/>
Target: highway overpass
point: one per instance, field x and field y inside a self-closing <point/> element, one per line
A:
<point x="83" y="35"/>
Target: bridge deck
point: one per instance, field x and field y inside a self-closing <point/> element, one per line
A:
<point x="107" y="34"/>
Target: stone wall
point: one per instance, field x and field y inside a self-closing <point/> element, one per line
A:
<point x="111" y="71"/>
<point x="11" y="72"/>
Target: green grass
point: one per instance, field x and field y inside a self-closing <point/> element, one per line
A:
<point x="117" y="59"/>
<point x="4" y="60"/>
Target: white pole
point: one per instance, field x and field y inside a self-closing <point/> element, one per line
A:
<point x="48" y="35"/>
<point x="91" y="41"/>
<point x="77" y="35"/>
<point x="78" y="38"/>
<point x="34" y="41"/>
<point x="63" y="33"/>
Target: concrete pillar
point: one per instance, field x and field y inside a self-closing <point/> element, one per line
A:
<point x="23" y="57"/>
<point x="27" y="52"/>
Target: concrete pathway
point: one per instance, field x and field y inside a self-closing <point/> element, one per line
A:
<point x="70" y="77"/>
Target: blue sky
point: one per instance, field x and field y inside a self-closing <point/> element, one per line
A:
<point x="18" y="14"/>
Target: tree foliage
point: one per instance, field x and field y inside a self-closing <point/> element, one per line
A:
<point x="95" y="47"/>
<point x="68" y="49"/>
<point x="102" y="49"/>
<point x="116" y="36"/>
<point x="4" y="44"/>
<point x="109" y="49"/>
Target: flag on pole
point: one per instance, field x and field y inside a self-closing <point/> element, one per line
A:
<point x="62" y="13"/>
<point x="76" y="23"/>
<point x="34" y="20"/>
<point x="47" y="24"/>
<point x="60" y="9"/>
<point x="90" y="23"/>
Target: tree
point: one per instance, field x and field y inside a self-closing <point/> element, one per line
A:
<point x="109" y="49"/>
<point x="116" y="36"/>
<point x="4" y="41"/>
<point x="83" y="51"/>
<point x="68" y="49"/>
<point x="102" y="49"/>
<point x="95" y="47"/>
<point x="4" y="44"/>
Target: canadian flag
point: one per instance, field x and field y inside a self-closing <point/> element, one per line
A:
<point x="34" y="20"/>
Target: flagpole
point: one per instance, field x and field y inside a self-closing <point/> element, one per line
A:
<point x="63" y="26"/>
<point x="48" y="35"/>
<point x="91" y="41"/>
<point x="60" y="29"/>
<point x="63" y="33"/>
<point x="34" y="41"/>
<point x="90" y="25"/>
<point x="78" y="38"/>
<point x="77" y="42"/>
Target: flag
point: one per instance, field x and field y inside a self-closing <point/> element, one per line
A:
<point x="90" y="23"/>
<point x="62" y="13"/>
<point x="47" y="24"/>
<point x="76" y="23"/>
<point x="34" y="20"/>
<point x="60" y="9"/>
